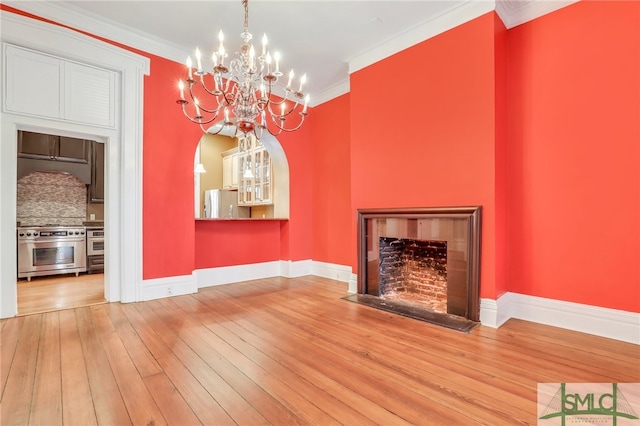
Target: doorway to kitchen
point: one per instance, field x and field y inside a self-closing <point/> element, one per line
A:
<point x="60" y="222"/>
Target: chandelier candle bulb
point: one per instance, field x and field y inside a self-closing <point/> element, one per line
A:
<point x="303" y="79"/>
<point x="290" y="79"/>
<point x="195" y="102"/>
<point x="181" y="87"/>
<point x="189" y="66"/>
<point x="199" y="59"/>
<point x="276" y="57"/>
<point x="264" y="44"/>
<point x="220" y="39"/>
<point x="306" y="102"/>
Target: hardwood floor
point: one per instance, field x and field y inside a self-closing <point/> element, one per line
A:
<point x="45" y="294"/>
<point x="284" y="351"/>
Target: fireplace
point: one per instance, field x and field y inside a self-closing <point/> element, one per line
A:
<point x="421" y="262"/>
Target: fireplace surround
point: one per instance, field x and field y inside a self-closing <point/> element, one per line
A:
<point x="414" y="260"/>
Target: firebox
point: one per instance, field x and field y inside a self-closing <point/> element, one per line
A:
<point x="421" y="258"/>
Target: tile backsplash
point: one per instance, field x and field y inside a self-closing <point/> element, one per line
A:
<point x="51" y="198"/>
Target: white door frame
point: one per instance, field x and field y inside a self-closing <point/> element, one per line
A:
<point x="123" y="207"/>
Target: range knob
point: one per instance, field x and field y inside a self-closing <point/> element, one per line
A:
<point x="35" y="234"/>
<point x="81" y="232"/>
<point x="21" y="234"/>
<point x="28" y="234"/>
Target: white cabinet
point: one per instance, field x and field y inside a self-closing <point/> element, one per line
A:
<point x="47" y="86"/>
<point x="230" y="169"/>
<point x="255" y="175"/>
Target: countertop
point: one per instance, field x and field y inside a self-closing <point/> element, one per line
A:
<point x="93" y="223"/>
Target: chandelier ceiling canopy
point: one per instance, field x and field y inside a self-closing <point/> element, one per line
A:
<point x="241" y="92"/>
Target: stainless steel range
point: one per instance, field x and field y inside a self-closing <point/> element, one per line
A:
<point x="51" y="250"/>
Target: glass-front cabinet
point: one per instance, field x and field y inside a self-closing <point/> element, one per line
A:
<point x="254" y="173"/>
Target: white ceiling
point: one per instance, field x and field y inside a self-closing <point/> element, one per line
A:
<point x="326" y="39"/>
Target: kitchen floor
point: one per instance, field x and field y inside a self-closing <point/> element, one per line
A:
<point x="45" y="294"/>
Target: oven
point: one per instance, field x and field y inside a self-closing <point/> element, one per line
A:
<point x="95" y="250"/>
<point x="51" y="251"/>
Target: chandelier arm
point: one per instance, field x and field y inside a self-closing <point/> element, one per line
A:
<point x="215" y="92"/>
<point x="282" y="128"/>
<point x="198" y="119"/>
<point x="209" y="132"/>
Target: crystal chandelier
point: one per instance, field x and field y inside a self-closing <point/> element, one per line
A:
<point x="240" y="93"/>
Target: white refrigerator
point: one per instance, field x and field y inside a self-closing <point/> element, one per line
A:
<point x="223" y="204"/>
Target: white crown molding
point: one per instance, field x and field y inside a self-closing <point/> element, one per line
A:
<point x="75" y="18"/>
<point x="516" y="12"/>
<point x="329" y="93"/>
<point x="461" y="14"/>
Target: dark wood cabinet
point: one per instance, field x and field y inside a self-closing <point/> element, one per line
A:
<point x="96" y="190"/>
<point x="40" y="146"/>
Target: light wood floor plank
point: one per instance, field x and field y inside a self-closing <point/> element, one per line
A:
<point x="46" y="405"/>
<point x="140" y="404"/>
<point x="230" y="401"/>
<point x="11" y="331"/>
<point x="229" y="329"/>
<point x="144" y="361"/>
<point x="285" y="352"/>
<point x="16" y="399"/>
<point x="47" y="294"/>
<point x="77" y="403"/>
<point x="200" y="401"/>
<point x="173" y="406"/>
<point x="224" y="341"/>
<point x="107" y="399"/>
<point x="268" y="408"/>
<point x="362" y="373"/>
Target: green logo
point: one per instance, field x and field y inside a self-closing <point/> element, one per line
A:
<point x="587" y="403"/>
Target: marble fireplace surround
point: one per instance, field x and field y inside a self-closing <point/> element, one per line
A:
<point x="458" y="226"/>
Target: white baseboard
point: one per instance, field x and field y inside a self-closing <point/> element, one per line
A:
<point x="610" y="323"/>
<point x="236" y="273"/>
<point x="283" y="268"/>
<point x="605" y="322"/>
<point x="158" y="288"/>
<point x="353" y="284"/>
<point x="292" y="269"/>
<point x="331" y="270"/>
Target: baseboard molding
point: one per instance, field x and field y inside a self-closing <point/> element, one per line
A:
<point x="158" y="288"/>
<point x="332" y="271"/>
<point x="604" y="322"/>
<point x="236" y="273"/>
<point x="282" y="268"/>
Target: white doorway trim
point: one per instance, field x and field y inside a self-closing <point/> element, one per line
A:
<point x="123" y="208"/>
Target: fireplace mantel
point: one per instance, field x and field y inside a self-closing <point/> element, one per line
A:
<point x="459" y="226"/>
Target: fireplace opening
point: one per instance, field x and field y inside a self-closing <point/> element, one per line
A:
<point x="422" y="263"/>
<point x="414" y="271"/>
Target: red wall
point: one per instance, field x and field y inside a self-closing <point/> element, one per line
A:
<point x="574" y="139"/>
<point x="430" y="143"/>
<point x="539" y="124"/>
<point x="169" y="143"/>
<point x="331" y="186"/>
